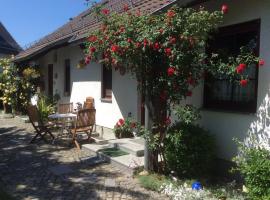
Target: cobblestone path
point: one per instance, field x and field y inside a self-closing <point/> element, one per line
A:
<point x="46" y="171"/>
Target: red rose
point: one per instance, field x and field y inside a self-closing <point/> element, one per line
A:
<point x="92" y="38"/>
<point x="172" y="40"/>
<point x="244" y="82"/>
<point x="121" y="122"/>
<point x="125" y="7"/>
<point x="168" y="121"/>
<point x="92" y="49"/>
<point x="133" y="125"/>
<point x="170" y="14"/>
<point x="224" y="9"/>
<point x="261" y="62"/>
<point x="145" y="42"/>
<point x="129" y="40"/>
<point x="171" y="71"/>
<point x="156" y="46"/>
<point x="168" y="51"/>
<point x="115" y="48"/>
<point x="87" y="60"/>
<point x="161" y="30"/>
<point x="240" y="68"/>
<point x="105" y="11"/>
<point x="191" y="81"/>
<point x="189" y="94"/>
<point x="122" y="29"/>
<point x="138" y="44"/>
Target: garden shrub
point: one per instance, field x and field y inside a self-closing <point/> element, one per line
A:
<point x="46" y="106"/>
<point x="254" y="165"/>
<point x="189" y="150"/>
<point x="124" y="128"/>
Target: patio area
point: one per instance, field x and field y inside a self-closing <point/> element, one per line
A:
<point x="46" y="171"/>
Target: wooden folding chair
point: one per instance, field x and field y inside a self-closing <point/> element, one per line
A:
<point x="40" y="128"/>
<point x="65" y="108"/>
<point x="85" y="122"/>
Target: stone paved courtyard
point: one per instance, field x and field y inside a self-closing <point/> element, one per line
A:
<point x="58" y="171"/>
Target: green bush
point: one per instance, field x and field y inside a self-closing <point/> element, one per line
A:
<point x="46" y="106"/>
<point x="254" y="166"/>
<point x="189" y="150"/>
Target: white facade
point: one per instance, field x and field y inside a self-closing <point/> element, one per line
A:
<point x="225" y="125"/>
<point x="229" y="125"/>
<point x="86" y="82"/>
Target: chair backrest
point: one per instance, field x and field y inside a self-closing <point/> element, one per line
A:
<point x="88" y="105"/>
<point x="65" y="108"/>
<point x="86" y="118"/>
<point x="34" y="115"/>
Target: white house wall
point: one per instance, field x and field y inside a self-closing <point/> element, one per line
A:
<point x="229" y="125"/>
<point x="86" y="82"/>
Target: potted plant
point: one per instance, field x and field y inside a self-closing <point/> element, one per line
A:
<point x="124" y="128"/>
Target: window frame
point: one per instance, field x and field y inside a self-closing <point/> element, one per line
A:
<point x="104" y="86"/>
<point x="230" y="105"/>
<point x="67" y="78"/>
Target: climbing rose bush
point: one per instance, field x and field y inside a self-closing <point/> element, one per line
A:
<point x="165" y="52"/>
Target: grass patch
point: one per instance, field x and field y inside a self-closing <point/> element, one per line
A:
<point x="4" y="195"/>
<point x="113" y="152"/>
<point x="152" y="181"/>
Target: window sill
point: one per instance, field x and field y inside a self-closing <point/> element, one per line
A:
<point x="106" y="100"/>
<point x="236" y="112"/>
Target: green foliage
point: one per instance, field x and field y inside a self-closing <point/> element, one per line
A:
<point x="124" y="128"/>
<point x="152" y="181"/>
<point x="254" y="165"/>
<point x="189" y="150"/>
<point x="187" y="114"/>
<point x="46" y="106"/>
<point x="17" y="86"/>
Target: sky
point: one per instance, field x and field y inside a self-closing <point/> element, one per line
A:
<point x="29" y="20"/>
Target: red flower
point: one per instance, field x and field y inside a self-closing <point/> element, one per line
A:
<point x="133" y="125"/>
<point x="172" y="40"/>
<point x="170" y="14"/>
<point x="122" y="29"/>
<point x="156" y="46"/>
<point x="168" y="51"/>
<point x="129" y="40"/>
<point x="87" y="60"/>
<point x="161" y="30"/>
<point x="261" y="62"/>
<point x="115" y="48"/>
<point x="189" y="94"/>
<point x="240" y="69"/>
<point x="121" y="122"/>
<point x="224" y="9"/>
<point x="191" y="81"/>
<point x="145" y="42"/>
<point x="171" y="71"/>
<point x="92" y="38"/>
<point x="138" y="44"/>
<point x="125" y="7"/>
<point x="168" y="121"/>
<point x="92" y="49"/>
<point x="244" y="82"/>
<point x="105" y="11"/>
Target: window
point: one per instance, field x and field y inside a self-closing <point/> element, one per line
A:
<point x="106" y="92"/>
<point x="220" y="93"/>
<point x="67" y="77"/>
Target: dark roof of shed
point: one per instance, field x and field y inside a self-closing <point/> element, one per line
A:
<point x="7" y="43"/>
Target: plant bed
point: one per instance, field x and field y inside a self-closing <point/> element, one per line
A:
<point x="113" y="152"/>
<point x="182" y="189"/>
